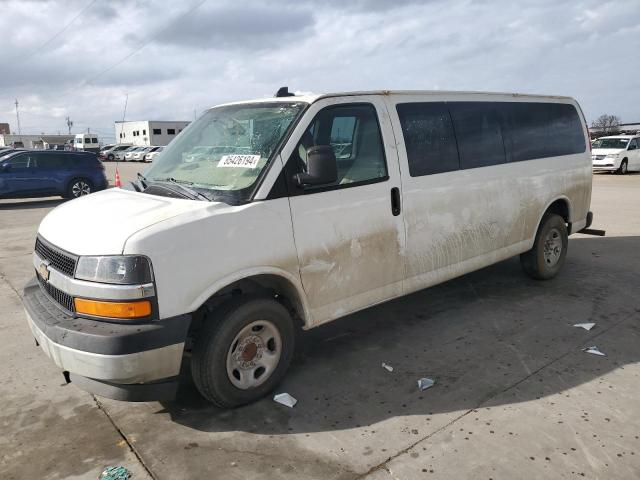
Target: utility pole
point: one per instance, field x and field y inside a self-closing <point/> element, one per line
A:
<point x="124" y="114"/>
<point x="18" y="118"/>
<point x="69" y="124"/>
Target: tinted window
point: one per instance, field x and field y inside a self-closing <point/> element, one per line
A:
<point x="18" y="161"/>
<point x="429" y="138"/>
<point x="354" y="134"/>
<point x="540" y="130"/>
<point x="479" y="128"/>
<point x="157" y="131"/>
<point x="94" y="140"/>
<point x="53" y="161"/>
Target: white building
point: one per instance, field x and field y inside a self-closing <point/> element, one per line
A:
<point x="148" y="132"/>
<point x="34" y="141"/>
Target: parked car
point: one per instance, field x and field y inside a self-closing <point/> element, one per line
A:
<point x="46" y="173"/>
<point x="151" y="155"/>
<point x="616" y="153"/>
<point x="110" y="153"/>
<point x="128" y="156"/>
<point x="226" y="258"/>
<point x="140" y="154"/>
<point x="120" y="154"/>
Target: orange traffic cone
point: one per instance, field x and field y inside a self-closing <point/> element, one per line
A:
<point x="118" y="182"/>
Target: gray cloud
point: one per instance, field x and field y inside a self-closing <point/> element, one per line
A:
<point x="234" y="27"/>
<point x="170" y="63"/>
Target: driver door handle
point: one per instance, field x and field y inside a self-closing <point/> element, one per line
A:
<point x="395" y="201"/>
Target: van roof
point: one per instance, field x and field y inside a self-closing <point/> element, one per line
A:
<point x="309" y="97"/>
<point x="619" y="136"/>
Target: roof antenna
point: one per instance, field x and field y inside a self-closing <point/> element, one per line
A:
<point x="284" y="92"/>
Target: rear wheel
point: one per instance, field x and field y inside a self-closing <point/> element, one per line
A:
<point x="79" y="187"/>
<point x="243" y="352"/>
<point x="547" y="256"/>
<point x="624" y="167"/>
<point x="110" y="157"/>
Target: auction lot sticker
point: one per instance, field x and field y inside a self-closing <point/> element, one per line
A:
<point x="239" y="161"/>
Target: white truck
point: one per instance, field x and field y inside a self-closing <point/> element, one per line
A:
<point x="306" y="209"/>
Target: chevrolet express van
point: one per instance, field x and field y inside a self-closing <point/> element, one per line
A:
<point x="303" y="210"/>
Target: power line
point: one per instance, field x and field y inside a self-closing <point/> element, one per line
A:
<point x="143" y="44"/>
<point x="57" y="34"/>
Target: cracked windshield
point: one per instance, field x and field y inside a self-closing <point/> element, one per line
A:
<point x="226" y="149"/>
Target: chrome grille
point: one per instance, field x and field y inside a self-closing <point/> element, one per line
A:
<point x="63" y="299"/>
<point x="58" y="259"/>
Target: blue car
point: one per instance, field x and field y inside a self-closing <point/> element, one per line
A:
<point x="47" y="173"/>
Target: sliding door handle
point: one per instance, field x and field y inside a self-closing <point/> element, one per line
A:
<point x="395" y="201"/>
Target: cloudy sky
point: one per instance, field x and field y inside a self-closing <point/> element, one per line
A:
<point x="81" y="57"/>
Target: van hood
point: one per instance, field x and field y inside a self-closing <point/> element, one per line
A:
<point x="606" y="151"/>
<point x="101" y="223"/>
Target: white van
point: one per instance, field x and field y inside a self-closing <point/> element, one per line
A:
<point x="305" y="209"/>
<point x="616" y="153"/>
<point x="87" y="142"/>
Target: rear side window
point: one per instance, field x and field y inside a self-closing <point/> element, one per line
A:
<point x="53" y="161"/>
<point x="566" y="136"/>
<point x="429" y="138"/>
<point x="479" y="128"/>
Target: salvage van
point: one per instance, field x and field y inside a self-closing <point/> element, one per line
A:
<point x="303" y="209"/>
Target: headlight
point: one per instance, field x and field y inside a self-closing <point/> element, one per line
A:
<point x="120" y="269"/>
<point x="612" y="155"/>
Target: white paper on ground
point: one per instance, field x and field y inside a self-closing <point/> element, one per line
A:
<point x="594" y="350"/>
<point x="285" y="399"/>
<point x="425" y="383"/>
<point x="388" y="368"/>
<point x="586" y="326"/>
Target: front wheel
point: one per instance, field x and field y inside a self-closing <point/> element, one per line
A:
<point x="624" y="168"/>
<point x="243" y="352"/>
<point x="110" y="157"/>
<point x="549" y="251"/>
<point x="79" y="187"/>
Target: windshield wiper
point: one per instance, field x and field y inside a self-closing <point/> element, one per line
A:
<point x="142" y="179"/>
<point x="194" y="194"/>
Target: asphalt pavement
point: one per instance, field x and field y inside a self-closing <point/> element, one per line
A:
<point x="515" y="395"/>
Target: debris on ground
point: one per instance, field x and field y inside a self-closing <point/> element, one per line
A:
<point x="594" y="350"/>
<point x="388" y="368"/>
<point x="586" y="326"/>
<point x="115" y="473"/>
<point x="425" y="383"/>
<point x="285" y="399"/>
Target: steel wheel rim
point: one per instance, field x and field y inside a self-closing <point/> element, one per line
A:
<point x="552" y="247"/>
<point x="254" y="354"/>
<point x="80" y="188"/>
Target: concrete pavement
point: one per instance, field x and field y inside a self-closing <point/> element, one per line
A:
<point x="515" y="396"/>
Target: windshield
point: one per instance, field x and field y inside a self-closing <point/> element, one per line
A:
<point x="226" y="149"/>
<point x="610" y="143"/>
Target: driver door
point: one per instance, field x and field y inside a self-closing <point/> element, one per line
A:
<point x="349" y="234"/>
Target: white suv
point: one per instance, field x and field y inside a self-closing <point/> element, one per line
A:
<point x="620" y="153"/>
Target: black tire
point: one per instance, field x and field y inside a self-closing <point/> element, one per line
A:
<point x="551" y="235"/>
<point x="214" y="343"/>
<point x="110" y="157"/>
<point x="624" y="167"/>
<point x="79" y="187"/>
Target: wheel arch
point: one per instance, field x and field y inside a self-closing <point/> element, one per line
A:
<point x="560" y="206"/>
<point x="273" y="281"/>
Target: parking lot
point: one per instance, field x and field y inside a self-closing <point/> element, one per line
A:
<point x="515" y="395"/>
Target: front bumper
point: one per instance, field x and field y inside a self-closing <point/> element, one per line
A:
<point x="136" y="362"/>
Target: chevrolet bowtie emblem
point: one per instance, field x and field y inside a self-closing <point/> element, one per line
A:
<point x="43" y="270"/>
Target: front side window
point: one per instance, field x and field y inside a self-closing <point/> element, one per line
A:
<point x="429" y="138"/>
<point x="354" y="135"/>
<point x="226" y="149"/>
<point x="18" y="161"/>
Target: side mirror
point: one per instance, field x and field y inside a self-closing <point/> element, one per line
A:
<point x="5" y="167"/>
<point x="321" y="165"/>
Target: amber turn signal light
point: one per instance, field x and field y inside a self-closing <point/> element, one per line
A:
<point x="113" y="309"/>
